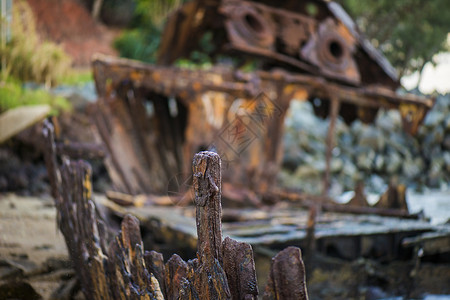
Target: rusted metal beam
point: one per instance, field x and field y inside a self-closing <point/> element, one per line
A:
<point x="330" y="142"/>
<point x="171" y="80"/>
<point x="394" y="197"/>
<point x="387" y="212"/>
<point x="371" y="96"/>
<point x="328" y="204"/>
<point x="430" y="243"/>
<point x="104" y="129"/>
<point x="168" y="81"/>
<point x="50" y="160"/>
<point x="81" y="150"/>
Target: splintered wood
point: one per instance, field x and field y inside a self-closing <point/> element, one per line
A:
<point x="287" y="276"/>
<point x="120" y="268"/>
<point x="207" y="187"/>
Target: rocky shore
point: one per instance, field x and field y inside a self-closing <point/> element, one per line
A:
<point x="375" y="153"/>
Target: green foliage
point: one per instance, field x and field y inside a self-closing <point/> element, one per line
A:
<point x="200" y="59"/>
<point x="139" y="43"/>
<point x="13" y="95"/>
<point x="27" y="58"/>
<point x="408" y="32"/>
<point x="194" y="64"/>
<point x="142" y="40"/>
<point x="154" y="12"/>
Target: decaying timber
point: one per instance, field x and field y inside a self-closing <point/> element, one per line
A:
<point x="159" y="116"/>
<point x="119" y="268"/>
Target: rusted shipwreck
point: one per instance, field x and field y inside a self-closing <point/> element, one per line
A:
<point x="154" y="118"/>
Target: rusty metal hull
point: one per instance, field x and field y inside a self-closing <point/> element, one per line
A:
<point x="153" y="119"/>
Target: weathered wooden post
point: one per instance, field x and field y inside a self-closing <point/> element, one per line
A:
<point x="208" y="280"/>
<point x="226" y="269"/>
<point x="207" y="182"/>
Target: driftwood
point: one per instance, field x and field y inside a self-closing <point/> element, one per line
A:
<point x="120" y="268"/>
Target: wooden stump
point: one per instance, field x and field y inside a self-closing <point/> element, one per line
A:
<point x="287" y="276"/>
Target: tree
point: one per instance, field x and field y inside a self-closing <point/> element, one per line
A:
<point x="408" y="32"/>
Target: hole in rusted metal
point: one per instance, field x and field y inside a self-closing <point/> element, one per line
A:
<point x="254" y="23"/>
<point x="336" y="49"/>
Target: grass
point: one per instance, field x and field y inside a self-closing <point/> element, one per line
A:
<point x="77" y="77"/>
<point x="13" y="95"/>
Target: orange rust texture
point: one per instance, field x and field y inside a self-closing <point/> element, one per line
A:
<point x="239" y="115"/>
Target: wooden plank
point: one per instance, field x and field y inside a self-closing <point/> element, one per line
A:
<point x="17" y="119"/>
<point x="81" y="150"/>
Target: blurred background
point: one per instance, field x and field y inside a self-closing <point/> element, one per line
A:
<point x="46" y="47"/>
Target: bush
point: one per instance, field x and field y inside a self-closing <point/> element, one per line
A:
<point x="27" y="58"/>
<point x="142" y="40"/>
<point x="139" y="44"/>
